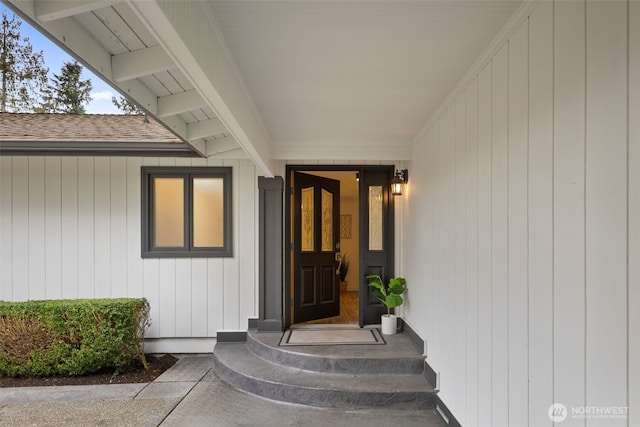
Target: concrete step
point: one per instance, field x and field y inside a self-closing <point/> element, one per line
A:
<point x="399" y="356"/>
<point x="236" y="364"/>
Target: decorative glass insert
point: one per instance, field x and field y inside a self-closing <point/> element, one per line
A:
<point x="208" y="212"/>
<point x="327" y="221"/>
<point x="168" y="197"/>
<point x="307" y="223"/>
<point x="375" y="218"/>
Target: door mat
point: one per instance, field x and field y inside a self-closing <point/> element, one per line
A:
<point x="309" y="336"/>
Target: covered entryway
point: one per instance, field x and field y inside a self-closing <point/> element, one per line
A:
<point x="336" y="215"/>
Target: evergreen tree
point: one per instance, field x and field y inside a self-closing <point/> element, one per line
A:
<point x="22" y="70"/>
<point x="68" y="94"/>
<point x="125" y="106"/>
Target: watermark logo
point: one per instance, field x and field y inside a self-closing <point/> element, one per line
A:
<point x="557" y="412"/>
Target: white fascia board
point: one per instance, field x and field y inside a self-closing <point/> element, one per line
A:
<point x="178" y="103"/>
<point x="140" y="63"/>
<point x="189" y="34"/>
<point x="340" y="152"/>
<point x="204" y="129"/>
<point x="48" y="10"/>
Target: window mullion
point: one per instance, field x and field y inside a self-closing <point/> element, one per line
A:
<point x="188" y="212"/>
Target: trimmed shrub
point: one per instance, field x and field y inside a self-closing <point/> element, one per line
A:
<point x="72" y="337"/>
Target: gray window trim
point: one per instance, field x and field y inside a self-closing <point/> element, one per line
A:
<point x="188" y="173"/>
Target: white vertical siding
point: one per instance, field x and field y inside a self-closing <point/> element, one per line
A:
<point x="540" y="211"/>
<point x="53" y="227"/>
<point x="499" y="241"/>
<point x="86" y="227"/>
<point x="460" y="289"/>
<point x="20" y="229"/>
<point x="70" y="228"/>
<point x="606" y="206"/>
<point x="517" y="224"/>
<point x="135" y="269"/>
<point x="118" y="226"/>
<point x="568" y="206"/>
<point x="633" y="297"/>
<point x="484" y="369"/>
<point x="36" y="239"/>
<point x="546" y="247"/>
<point x="6" y="228"/>
<point x="471" y="247"/>
<point x="102" y="227"/>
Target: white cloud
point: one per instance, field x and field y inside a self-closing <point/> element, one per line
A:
<point x="104" y="95"/>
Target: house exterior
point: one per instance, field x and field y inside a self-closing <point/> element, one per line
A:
<point x="518" y="233"/>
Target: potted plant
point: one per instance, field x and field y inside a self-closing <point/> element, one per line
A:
<point x="343" y="269"/>
<point x="391" y="296"/>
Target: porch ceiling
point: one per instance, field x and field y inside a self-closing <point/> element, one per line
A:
<point x="348" y="80"/>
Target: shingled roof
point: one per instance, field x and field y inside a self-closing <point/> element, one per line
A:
<point x="87" y="134"/>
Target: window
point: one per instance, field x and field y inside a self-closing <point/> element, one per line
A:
<point x="186" y="212"/>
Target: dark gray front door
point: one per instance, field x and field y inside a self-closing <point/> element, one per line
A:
<point x="376" y="238"/>
<point x="316" y="232"/>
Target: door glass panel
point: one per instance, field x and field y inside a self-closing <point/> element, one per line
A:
<point x="208" y="220"/>
<point x="375" y="218"/>
<point x="306" y="223"/>
<point x="327" y="221"/>
<point x="168" y="212"/>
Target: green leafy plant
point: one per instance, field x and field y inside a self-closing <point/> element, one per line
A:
<point x="389" y="294"/>
<point x="344" y="268"/>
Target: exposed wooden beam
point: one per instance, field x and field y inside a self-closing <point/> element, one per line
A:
<point x="50" y="10"/>
<point x="182" y="102"/>
<point x="238" y="153"/>
<point x="204" y="129"/>
<point x="221" y="145"/>
<point x="189" y="32"/>
<point x="139" y="63"/>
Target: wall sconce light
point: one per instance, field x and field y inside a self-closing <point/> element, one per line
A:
<point x="401" y="177"/>
<point x="357" y="176"/>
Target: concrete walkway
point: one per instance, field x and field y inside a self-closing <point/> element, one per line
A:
<point x="188" y="394"/>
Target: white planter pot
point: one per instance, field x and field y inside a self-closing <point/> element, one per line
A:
<point x="389" y="324"/>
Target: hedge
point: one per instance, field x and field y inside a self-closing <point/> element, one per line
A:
<point x="72" y="337"/>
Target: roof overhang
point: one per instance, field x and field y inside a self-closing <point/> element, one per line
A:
<point x="281" y="80"/>
<point x="148" y="53"/>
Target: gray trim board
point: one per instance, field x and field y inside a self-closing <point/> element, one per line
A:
<point x="149" y="149"/>
<point x="430" y="373"/>
<point x="270" y="326"/>
<point x="452" y="421"/>
<point x="270" y="256"/>
<point x="412" y="335"/>
<point x="224" y="336"/>
<point x="253" y="323"/>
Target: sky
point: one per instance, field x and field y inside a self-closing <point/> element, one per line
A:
<point x="54" y="58"/>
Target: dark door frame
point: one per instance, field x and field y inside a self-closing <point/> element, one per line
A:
<point x="288" y="263"/>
